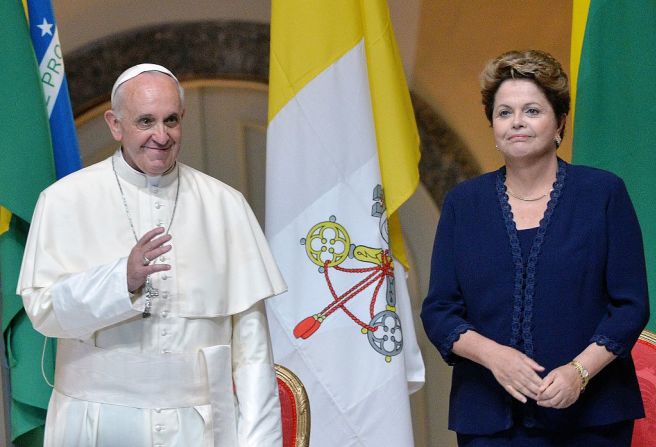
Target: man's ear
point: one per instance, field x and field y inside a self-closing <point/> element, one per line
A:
<point x="114" y="125"/>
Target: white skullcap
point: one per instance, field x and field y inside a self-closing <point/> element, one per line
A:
<point x="135" y="71"/>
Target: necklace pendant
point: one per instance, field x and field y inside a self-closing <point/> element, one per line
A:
<point x="151" y="292"/>
<point x="147" y="307"/>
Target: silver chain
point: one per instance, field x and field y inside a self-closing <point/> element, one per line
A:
<point x="151" y="292"/>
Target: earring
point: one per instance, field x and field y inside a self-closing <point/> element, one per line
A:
<point x="496" y="146"/>
<point x="557" y="141"/>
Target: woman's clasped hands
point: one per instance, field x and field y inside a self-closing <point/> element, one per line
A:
<point x="519" y="375"/>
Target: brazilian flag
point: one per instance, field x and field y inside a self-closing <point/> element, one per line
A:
<point x="26" y="168"/>
<point x="614" y="79"/>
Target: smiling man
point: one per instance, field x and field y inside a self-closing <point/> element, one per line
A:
<point x="145" y="117"/>
<point x="152" y="275"/>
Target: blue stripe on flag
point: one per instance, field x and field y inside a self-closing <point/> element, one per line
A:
<point x="45" y="40"/>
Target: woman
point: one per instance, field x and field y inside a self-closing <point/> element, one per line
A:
<point x="538" y="282"/>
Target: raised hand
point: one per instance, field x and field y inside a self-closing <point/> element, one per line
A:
<point x="148" y="248"/>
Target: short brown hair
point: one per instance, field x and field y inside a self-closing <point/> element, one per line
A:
<point x="535" y="65"/>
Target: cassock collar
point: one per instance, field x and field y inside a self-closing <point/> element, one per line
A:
<point x="139" y="179"/>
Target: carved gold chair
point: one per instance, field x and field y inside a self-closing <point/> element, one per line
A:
<point x="644" y="356"/>
<point x="295" y="408"/>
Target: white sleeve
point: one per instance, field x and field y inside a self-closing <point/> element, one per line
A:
<point x="79" y="304"/>
<point x="258" y="421"/>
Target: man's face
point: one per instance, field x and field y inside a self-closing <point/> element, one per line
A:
<point x="148" y="122"/>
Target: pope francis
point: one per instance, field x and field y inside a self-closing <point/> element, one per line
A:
<point x="152" y="275"/>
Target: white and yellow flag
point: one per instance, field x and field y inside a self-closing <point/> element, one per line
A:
<point x="342" y="155"/>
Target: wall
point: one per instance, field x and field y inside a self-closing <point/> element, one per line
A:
<point x="457" y="38"/>
<point x="83" y="21"/>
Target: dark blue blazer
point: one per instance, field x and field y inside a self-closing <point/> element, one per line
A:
<point x="585" y="281"/>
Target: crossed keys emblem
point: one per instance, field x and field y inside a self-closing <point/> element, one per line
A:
<point x="328" y="245"/>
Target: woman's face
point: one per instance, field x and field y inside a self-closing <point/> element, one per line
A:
<point x="523" y="121"/>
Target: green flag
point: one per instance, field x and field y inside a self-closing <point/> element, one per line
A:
<point x="26" y="168"/>
<point x="616" y="104"/>
<point x="26" y="162"/>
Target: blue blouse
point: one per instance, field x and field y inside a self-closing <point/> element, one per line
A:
<point x="582" y="280"/>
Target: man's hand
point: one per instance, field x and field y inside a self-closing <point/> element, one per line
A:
<point x="147" y="249"/>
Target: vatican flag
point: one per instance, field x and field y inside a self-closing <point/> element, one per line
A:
<point x="342" y="155"/>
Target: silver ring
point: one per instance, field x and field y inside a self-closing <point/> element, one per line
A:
<point x="145" y="260"/>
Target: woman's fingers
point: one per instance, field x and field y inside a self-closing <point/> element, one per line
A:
<point x="546" y="382"/>
<point x="533" y="364"/>
<point x="517" y="373"/>
<point x="560" y="388"/>
<point x="516" y="394"/>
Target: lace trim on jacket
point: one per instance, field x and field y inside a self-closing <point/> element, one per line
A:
<point x="611" y="345"/>
<point x="446" y="349"/>
<point x="524" y="287"/>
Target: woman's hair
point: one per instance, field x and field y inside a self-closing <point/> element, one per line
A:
<point x="535" y="65"/>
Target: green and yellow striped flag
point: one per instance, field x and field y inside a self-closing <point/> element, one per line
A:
<point x="614" y="81"/>
<point x="26" y="168"/>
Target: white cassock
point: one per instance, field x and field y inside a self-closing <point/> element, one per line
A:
<point x="198" y="372"/>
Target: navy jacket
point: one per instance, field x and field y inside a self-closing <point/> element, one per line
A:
<point x="584" y="281"/>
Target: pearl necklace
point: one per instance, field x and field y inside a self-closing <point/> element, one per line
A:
<point x="151" y="292"/>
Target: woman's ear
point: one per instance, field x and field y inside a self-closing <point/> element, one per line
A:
<point x="561" y="124"/>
